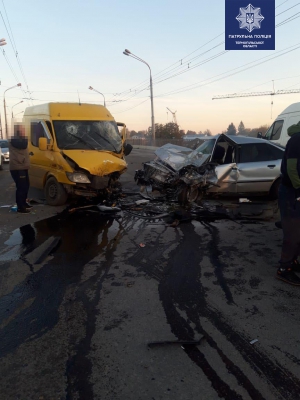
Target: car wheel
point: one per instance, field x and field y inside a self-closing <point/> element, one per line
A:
<point x="188" y="195"/>
<point x="55" y="193"/>
<point x="274" y="190"/>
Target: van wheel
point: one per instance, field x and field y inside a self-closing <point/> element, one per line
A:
<point x="274" y="190"/>
<point x="55" y="193"/>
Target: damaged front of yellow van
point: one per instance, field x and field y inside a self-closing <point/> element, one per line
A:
<point x="75" y="149"/>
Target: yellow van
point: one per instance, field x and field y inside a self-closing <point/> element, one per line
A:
<point x="75" y="149"/>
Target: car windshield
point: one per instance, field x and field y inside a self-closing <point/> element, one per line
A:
<point x="206" y="147"/>
<point x="84" y="135"/>
<point x="3" y="144"/>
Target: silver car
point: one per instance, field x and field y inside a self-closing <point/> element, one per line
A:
<point x="222" y="165"/>
<point x="4" y="151"/>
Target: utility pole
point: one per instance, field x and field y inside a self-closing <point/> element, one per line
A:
<point x="2" y="43"/>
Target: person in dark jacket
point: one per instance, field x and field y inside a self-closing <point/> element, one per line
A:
<point x="19" y="165"/>
<point x="289" y="205"/>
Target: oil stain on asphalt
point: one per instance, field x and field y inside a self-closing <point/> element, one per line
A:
<point x="84" y="236"/>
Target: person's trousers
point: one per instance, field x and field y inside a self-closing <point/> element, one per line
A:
<point x="22" y="184"/>
<point x="290" y="219"/>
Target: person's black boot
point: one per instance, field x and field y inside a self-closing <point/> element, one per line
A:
<point x="288" y="275"/>
<point x="23" y="210"/>
<point x="295" y="266"/>
<point x="278" y="224"/>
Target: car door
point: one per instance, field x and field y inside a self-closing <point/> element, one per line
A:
<point x="258" y="167"/>
<point x="40" y="161"/>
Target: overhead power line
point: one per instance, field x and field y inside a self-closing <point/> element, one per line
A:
<point x="14" y="46"/>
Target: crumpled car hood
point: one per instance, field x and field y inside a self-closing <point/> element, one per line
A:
<point x="98" y="163"/>
<point x="178" y="157"/>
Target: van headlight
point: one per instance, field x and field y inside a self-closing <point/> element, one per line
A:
<point x="78" y="177"/>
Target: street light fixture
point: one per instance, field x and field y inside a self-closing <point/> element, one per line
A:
<point x="12" y="114"/>
<point x="128" y="53"/>
<point x="91" y="88"/>
<point x="19" y="84"/>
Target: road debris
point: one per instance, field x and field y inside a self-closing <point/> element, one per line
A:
<point x="180" y="342"/>
<point x="244" y="200"/>
<point x="254" y="341"/>
<point x="142" y="202"/>
<point x="142" y="245"/>
<point x="55" y="242"/>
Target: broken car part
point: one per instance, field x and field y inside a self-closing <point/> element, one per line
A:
<point x="222" y="165"/>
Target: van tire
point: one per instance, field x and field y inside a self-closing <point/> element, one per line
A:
<point x="55" y="193"/>
<point x="274" y="190"/>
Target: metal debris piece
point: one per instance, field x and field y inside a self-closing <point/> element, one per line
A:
<point x="48" y="250"/>
<point x="254" y="341"/>
<point x="142" y="202"/>
<point x="105" y="208"/>
<point x="181" y="342"/>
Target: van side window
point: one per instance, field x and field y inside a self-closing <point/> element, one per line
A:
<point x="274" y="131"/>
<point x="38" y="131"/>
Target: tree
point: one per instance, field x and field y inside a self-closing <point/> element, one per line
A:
<point x="132" y="133"/>
<point x="241" y="128"/>
<point x="207" y="133"/>
<point x="167" y="131"/>
<point x="231" y="130"/>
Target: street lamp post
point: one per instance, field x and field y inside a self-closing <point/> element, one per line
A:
<point x="128" y="53"/>
<point x="19" y="84"/>
<point x="21" y="112"/>
<point x="2" y="43"/>
<point x="91" y="88"/>
<point x="12" y="114"/>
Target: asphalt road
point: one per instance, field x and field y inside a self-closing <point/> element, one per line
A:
<point x="77" y="324"/>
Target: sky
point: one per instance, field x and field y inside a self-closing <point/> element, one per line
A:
<point x="57" y="49"/>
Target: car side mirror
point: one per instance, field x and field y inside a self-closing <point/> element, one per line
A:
<point x="259" y="135"/>
<point x="43" y="144"/>
<point x="127" y="149"/>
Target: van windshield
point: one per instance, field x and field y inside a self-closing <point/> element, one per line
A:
<point x="84" y="135"/>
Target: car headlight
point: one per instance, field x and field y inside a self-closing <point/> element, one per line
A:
<point x="78" y="177"/>
<point x="6" y="154"/>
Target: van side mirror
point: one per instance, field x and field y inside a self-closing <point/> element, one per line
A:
<point x="127" y="149"/>
<point x="259" y="135"/>
<point x="43" y="144"/>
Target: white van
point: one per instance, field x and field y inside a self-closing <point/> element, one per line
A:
<point x="278" y="130"/>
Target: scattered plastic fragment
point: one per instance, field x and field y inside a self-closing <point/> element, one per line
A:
<point x="244" y="200"/>
<point x="6" y="206"/>
<point x="254" y="341"/>
<point x="142" y="245"/>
